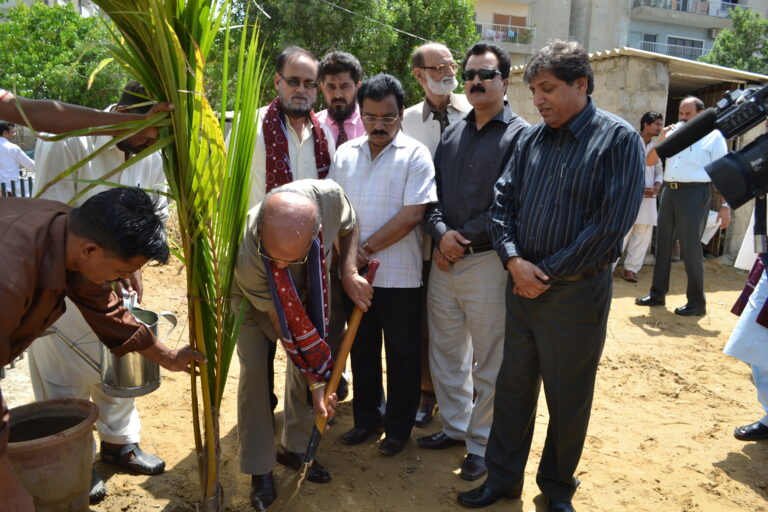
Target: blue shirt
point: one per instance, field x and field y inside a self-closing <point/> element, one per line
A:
<point x="568" y="196"/>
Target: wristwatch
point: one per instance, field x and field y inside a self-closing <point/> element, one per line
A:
<point x="366" y="247"/>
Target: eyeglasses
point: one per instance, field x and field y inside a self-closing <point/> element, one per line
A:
<point x="442" y="68"/>
<point x="264" y="254"/>
<point x="384" y="119"/>
<point x="485" y="74"/>
<point x="294" y="82"/>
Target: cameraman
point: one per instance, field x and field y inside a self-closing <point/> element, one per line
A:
<point x="683" y="211"/>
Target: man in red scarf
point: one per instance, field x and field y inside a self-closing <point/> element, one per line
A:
<point x="282" y="274"/>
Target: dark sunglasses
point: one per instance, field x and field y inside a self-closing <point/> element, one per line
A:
<point x="266" y="255"/>
<point x="485" y="74"/>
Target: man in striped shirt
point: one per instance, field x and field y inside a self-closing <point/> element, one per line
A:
<point x="567" y="197"/>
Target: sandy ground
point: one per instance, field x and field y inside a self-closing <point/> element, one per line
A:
<point x="660" y="438"/>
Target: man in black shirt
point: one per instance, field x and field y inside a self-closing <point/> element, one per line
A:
<point x="566" y="199"/>
<point x="465" y="297"/>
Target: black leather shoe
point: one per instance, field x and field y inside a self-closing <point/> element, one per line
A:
<point x="650" y="300"/>
<point x="134" y="458"/>
<point x="427" y="409"/>
<point x="689" y="310"/>
<point x="473" y="467"/>
<point x="98" y="489"/>
<point x="356" y="435"/>
<point x="560" y="506"/>
<point x="342" y="391"/>
<point x="317" y="473"/>
<point x="391" y="446"/>
<point x="438" y="441"/>
<point x="263" y="492"/>
<point x="482" y="496"/>
<point x="754" y="432"/>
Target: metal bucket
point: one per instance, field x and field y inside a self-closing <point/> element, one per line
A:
<point x="133" y="374"/>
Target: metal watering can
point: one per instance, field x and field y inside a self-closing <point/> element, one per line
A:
<point x="132" y="374"/>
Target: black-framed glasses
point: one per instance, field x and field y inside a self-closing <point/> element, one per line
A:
<point x="264" y="254"/>
<point x="485" y="74"/>
<point x="384" y="119"/>
<point x="442" y="68"/>
<point x="294" y="82"/>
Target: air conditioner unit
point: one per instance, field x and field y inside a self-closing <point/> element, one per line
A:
<point x="714" y="32"/>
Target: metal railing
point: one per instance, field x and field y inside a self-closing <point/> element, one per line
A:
<point x="717" y="8"/>
<point x="496" y="33"/>
<point x="673" y="50"/>
<point x="17" y="188"/>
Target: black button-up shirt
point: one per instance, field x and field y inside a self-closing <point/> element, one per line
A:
<point x="468" y="162"/>
<point x="568" y="196"/>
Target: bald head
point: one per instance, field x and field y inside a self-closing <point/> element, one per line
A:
<point x="689" y="107"/>
<point x="425" y="51"/>
<point x="288" y="222"/>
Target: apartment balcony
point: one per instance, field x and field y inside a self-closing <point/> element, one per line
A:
<point x="512" y="38"/>
<point x="690" y="13"/>
<point x="673" y="50"/>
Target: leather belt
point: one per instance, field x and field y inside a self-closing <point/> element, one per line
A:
<point x="674" y="185"/>
<point x="476" y="248"/>
<point x="584" y="275"/>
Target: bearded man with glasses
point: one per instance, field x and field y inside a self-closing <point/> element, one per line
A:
<point x="282" y="280"/>
<point x="465" y="297"/>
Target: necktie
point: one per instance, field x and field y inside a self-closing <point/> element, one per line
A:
<point x="441" y="117"/>
<point x="342" y="138"/>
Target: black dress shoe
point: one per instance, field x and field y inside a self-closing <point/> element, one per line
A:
<point x="754" y="432"/>
<point x="342" y="391"/>
<point x="689" y="310"/>
<point x="560" y="506"/>
<point x="132" y="457"/>
<point x="482" y="496"/>
<point x="316" y="473"/>
<point x="391" y="446"/>
<point x="263" y="492"/>
<point x="473" y="467"/>
<point x="650" y="300"/>
<point x="98" y="490"/>
<point x="356" y="435"/>
<point x="427" y="409"/>
<point x="438" y="441"/>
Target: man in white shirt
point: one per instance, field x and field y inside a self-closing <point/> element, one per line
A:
<point x="389" y="179"/>
<point x="432" y="65"/>
<point x="339" y="79"/>
<point x="55" y="370"/>
<point x="683" y="211"/>
<point x="639" y="237"/>
<point x="12" y="158"/>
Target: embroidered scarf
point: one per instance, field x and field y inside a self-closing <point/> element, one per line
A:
<point x="754" y="277"/>
<point x="276" y="147"/>
<point x="304" y="332"/>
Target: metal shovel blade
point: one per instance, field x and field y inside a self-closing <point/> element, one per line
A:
<point x="290" y="488"/>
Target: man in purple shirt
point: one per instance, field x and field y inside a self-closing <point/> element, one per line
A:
<point x="339" y="77"/>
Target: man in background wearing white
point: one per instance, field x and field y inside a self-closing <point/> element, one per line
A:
<point x="12" y="158"/>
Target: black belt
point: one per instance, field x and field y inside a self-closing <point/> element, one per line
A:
<point x="476" y="248"/>
<point x="584" y="275"/>
<point x="674" y="185"/>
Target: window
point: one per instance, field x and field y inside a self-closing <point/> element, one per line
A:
<point x="684" y="48"/>
<point x="648" y="43"/>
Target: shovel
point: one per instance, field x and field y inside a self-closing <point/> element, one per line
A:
<point x="291" y="488"/>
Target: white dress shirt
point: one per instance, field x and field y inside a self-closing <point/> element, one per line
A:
<point x="648" y="213"/>
<point x="419" y="121"/>
<point x="12" y="158"/>
<point x="688" y="165"/>
<point x="402" y="174"/>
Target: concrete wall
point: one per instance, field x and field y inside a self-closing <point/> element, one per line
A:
<point x="552" y="21"/>
<point x="484" y="10"/>
<point x="600" y="24"/>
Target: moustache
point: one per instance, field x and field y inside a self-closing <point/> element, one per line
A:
<point x="477" y="88"/>
<point x="379" y="132"/>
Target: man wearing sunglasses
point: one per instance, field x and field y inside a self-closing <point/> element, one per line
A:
<point x="568" y="195"/>
<point x="389" y="179"/>
<point x="465" y="297"/>
<point x="433" y="67"/>
<point x="282" y="275"/>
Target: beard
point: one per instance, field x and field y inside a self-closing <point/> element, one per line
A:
<point x="295" y="109"/>
<point x="341" y="112"/>
<point x="442" y="87"/>
<point x="129" y="148"/>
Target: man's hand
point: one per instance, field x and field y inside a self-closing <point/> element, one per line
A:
<point x="649" y="192"/>
<point x="724" y="216"/>
<point x="441" y="262"/>
<point x="362" y="257"/>
<point x="134" y="285"/>
<point x="452" y="245"/>
<point x="321" y="408"/>
<point x="527" y="278"/>
<point x="357" y="289"/>
<point x="152" y="131"/>
<point x="176" y="360"/>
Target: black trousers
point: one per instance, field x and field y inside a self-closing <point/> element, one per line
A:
<point x="556" y="338"/>
<point x="397" y="313"/>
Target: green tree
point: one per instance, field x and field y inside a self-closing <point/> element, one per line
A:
<point x="744" y="47"/>
<point x="49" y="52"/>
<point x="321" y="26"/>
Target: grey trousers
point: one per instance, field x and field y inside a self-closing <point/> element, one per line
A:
<point x="254" y="411"/>
<point x="556" y="338"/>
<point x="682" y="216"/>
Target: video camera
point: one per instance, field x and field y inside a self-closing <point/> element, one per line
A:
<point x="741" y="175"/>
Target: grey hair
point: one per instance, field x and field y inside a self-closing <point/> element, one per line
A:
<point x="567" y="60"/>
